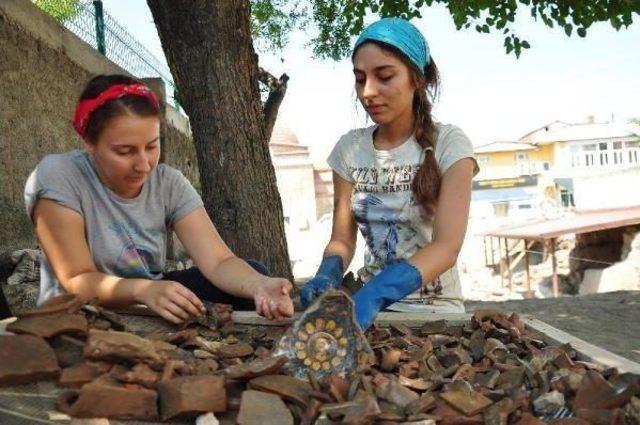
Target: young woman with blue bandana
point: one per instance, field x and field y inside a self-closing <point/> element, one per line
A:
<point x="404" y="182"/>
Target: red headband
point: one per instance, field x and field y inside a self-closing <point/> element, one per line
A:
<point x="86" y="107"/>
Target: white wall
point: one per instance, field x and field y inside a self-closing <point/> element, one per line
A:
<point x="611" y="189"/>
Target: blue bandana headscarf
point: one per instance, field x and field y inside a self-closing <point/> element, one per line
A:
<point x="400" y="34"/>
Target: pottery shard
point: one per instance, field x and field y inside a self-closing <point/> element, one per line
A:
<point x="529" y="419"/>
<point x="549" y="402"/>
<point x="25" y="358"/>
<point x="596" y="393"/>
<point x="421" y="405"/>
<point x="111" y="345"/>
<point x="267" y="366"/>
<point x="390" y="359"/>
<point x="362" y="410"/>
<point x="105" y="398"/>
<point x="240" y="349"/>
<point x="50" y="325"/>
<point x="140" y="374"/>
<point x="65" y="303"/>
<point x="189" y="396"/>
<point x="466" y="401"/>
<point x="498" y="413"/>
<point x="77" y="375"/>
<point x="259" y="408"/>
<point x="397" y="394"/>
<point x="287" y="387"/>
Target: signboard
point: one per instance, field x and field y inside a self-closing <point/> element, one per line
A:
<point x="505" y="183"/>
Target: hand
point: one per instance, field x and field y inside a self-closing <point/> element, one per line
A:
<point x="392" y="284"/>
<point x="170" y="300"/>
<point x="314" y="288"/>
<point x="329" y="275"/>
<point x="273" y="300"/>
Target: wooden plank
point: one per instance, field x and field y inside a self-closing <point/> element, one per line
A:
<point x="588" y="351"/>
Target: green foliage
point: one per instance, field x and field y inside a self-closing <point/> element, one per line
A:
<point x="60" y="10"/>
<point x="273" y="20"/>
<point x="338" y="20"/>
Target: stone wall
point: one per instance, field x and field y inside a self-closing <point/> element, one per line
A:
<point x="44" y="67"/>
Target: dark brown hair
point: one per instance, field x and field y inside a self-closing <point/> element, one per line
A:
<point x="126" y="105"/>
<point x="426" y="183"/>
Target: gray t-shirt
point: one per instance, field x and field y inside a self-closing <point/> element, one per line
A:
<point x="126" y="237"/>
<point x="394" y="227"/>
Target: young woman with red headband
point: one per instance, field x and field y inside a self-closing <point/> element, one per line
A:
<point x="103" y="215"/>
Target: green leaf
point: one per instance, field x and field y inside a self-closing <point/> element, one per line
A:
<point x="582" y="32"/>
<point x="525" y="44"/>
<point x="567" y="29"/>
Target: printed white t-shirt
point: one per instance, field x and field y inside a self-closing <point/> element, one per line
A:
<point x="383" y="204"/>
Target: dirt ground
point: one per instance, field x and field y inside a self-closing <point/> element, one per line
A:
<point x="610" y="320"/>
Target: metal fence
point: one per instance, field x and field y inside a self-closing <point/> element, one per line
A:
<point x="87" y="20"/>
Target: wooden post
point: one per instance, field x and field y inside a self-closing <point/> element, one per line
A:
<point x="493" y="259"/>
<point x="529" y="293"/>
<point x="508" y="261"/>
<point x="484" y="249"/>
<point x="554" y="265"/>
<point x="501" y="262"/>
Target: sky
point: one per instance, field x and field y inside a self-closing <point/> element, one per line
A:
<point x="492" y="96"/>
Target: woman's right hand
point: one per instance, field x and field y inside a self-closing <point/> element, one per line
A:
<point x="171" y="300"/>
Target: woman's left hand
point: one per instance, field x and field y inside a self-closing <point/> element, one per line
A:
<point x="273" y="300"/>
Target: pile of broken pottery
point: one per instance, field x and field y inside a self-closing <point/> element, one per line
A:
<point x="491" y="370"/>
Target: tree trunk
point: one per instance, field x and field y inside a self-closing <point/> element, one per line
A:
<point x="210" y="53"/>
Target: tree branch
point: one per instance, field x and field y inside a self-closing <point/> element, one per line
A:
<point x="277" y="90"/>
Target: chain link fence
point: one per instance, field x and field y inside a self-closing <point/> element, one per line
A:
<point x="87" y="20"/>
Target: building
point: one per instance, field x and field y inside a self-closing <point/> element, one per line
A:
<point x="581" y="166"/>
<point x="295" y="178"/>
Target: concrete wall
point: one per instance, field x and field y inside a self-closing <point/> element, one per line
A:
<point x="609" y="189"/>
<point x="43" y="68"/>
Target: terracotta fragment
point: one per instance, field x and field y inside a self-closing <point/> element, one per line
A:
<point x="25" y="358"/>
<point x="596" y="393"/>
<point x="395" y="393"/>
<point x="235" y="350"/>
<point x="64" y="303"/>
<point x="466" y="400"/>
<point x="425" y="403"/>
<point x="268" y="366"/>
<point x="288" y="387"/>
<point x="105" y="398"/>
<point x="189" y="396"/>
<point x="77" y="375"/>
<point x="415" y="384"/>
<point x="362" y="410"/>
<point x="260" y="408"/>
<point x="121" y="346"/>
<point x="68" y="350"/>
<point x="498" y="413"/>
<point x="548" y="402"/>
<point x="529" y="419"/>
<point x="48" y="326"/>
<point x="140" y="374"/>
<point x="390" y="359"/>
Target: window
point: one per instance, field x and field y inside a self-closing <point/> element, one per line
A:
<point x="603" y="146"/>
<point x="482" y="159"/>
<point x="521" y="156"/>
<point x="617" y="145"/>
<point x="589" y="148"/>
<point x="546" y="166"/>
<point x="566" y="198"/>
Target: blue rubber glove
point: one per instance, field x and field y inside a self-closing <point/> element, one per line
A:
<point x="329" y="275"/>
<point x="392" y="284"/>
